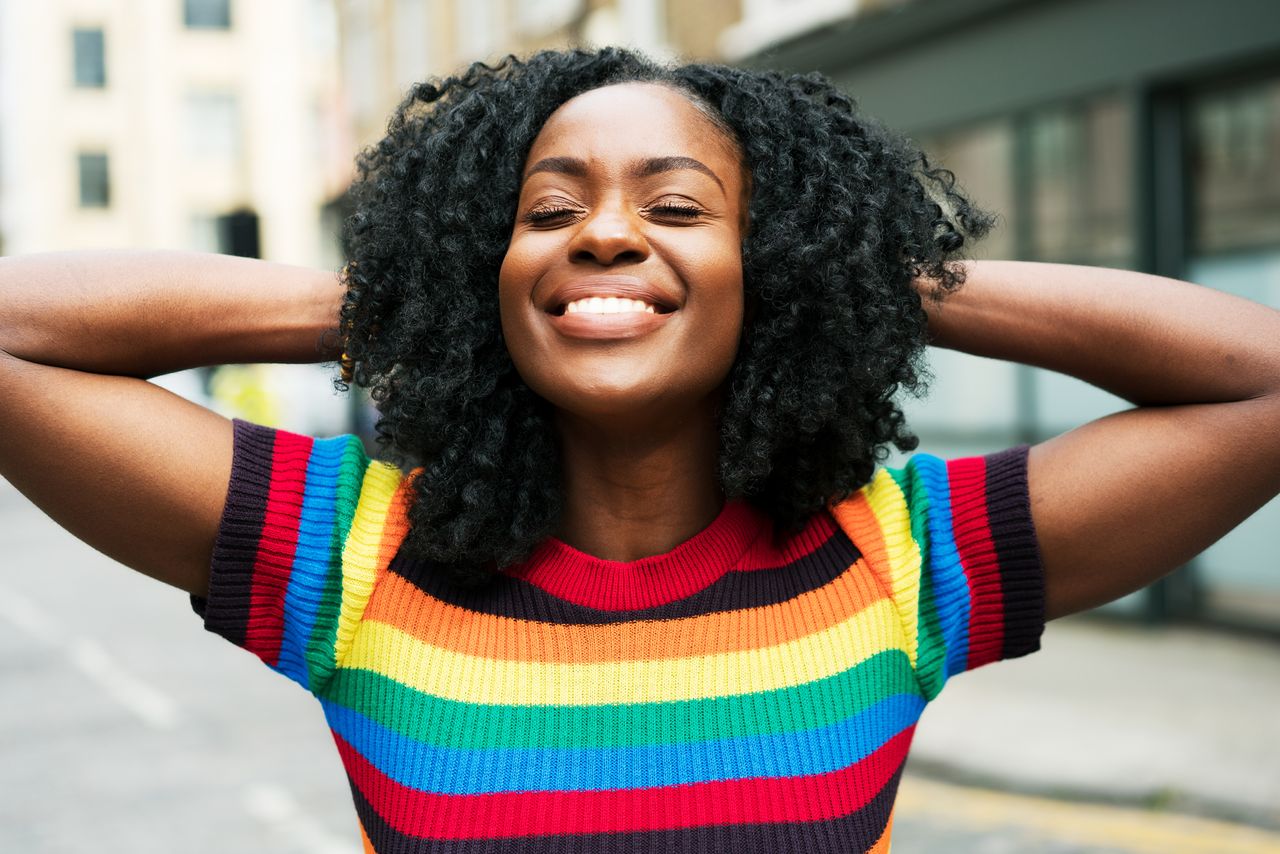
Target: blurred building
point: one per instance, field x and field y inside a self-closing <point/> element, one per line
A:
<point x="387" y="45"/>
<point x="1140" y="134"/>
<point x="213" y="125"/>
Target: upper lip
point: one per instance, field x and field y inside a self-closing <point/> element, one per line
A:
<point x="612" y="285"/>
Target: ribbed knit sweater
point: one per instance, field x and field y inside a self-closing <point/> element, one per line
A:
<point x="735" y="694"/>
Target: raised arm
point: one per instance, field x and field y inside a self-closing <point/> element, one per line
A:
<point x="1125" y="499"/>
<point x="130" y="468"/>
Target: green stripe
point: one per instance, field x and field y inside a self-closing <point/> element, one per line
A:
<point x="931" y="649"/>
<point x="324" y="634"/>
<point x="451" y="723"/>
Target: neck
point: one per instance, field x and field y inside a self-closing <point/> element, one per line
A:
<point x="638" y="490"/>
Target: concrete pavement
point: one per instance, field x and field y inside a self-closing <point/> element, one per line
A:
<point x="1179" y="718"/>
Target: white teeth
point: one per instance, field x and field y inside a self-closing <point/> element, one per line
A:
<point x="608" y="305"/>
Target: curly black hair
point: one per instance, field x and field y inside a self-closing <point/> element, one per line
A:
<point x="841" y="220"/>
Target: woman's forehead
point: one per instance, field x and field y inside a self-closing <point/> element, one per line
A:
<point x="624" y="121"/>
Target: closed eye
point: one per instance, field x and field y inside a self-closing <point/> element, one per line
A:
<point x="544" y="214"/>
<point x="541" y="215"/>
<point x="677" y="211"/>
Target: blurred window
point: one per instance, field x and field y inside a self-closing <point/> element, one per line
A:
<point x="207" y="14"/>
<point x="982" y="404"/>
<point x="1235" y="167"/>
<point x="213" y="126"/>
<point x="95" y="188"/>
<point x="239" y="232"/>
<point x="972" y="402"/>
<point x="981" y="157"/>
<point x="1233" y="148"/>
<point x="90" y="57"/>
<point x="1081" y="183"/>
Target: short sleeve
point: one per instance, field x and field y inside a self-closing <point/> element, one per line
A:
<point x="307" y="527"/>
<point x="955" y="548"/>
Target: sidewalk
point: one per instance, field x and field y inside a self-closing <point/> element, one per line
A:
<point x="1183" y="719"/>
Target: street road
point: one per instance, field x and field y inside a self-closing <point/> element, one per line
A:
<point x="124" y="727"/>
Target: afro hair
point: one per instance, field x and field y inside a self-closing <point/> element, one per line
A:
<point x="844" y="215"/>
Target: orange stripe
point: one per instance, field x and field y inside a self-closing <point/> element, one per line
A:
<point x="364" y="837"/>
<point x="863" y="529"/>
<point x="396" y="602"/>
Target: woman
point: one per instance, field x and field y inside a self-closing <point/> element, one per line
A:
<point x="640" y="330"/>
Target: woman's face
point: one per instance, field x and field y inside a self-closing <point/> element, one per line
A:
<point x="629" y="193"/>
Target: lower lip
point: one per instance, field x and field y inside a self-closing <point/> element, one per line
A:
<point x="608" y="327"/>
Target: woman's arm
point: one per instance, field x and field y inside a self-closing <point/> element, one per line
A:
<point x="143" y="314"/>
<point x="135" y="471"/>
<point x="1122" y="500"/>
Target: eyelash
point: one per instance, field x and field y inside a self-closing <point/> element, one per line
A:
<point x="682" y="211"/>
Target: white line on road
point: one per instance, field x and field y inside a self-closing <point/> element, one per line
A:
<point x="154" y="707"/>
<point x="28" y="616"/>
<point x="150" y="704"/>
<point x="275" y="807"/>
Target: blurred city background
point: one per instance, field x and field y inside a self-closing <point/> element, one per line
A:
<point x="1140" y="134"/>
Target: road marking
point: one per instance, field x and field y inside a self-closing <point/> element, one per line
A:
<point x="1113" y="828"/>
<point x="150" y="704"/>
<point x="274" y="806"/>
<point x="28" y="617"/>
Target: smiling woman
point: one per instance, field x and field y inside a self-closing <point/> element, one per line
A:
<point x="638" y="332"/>
<point x="754" y="211"/>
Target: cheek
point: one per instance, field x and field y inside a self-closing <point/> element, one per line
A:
<point x="516" y="278"/>
<point x="513" y="271"/>
<point x="720" y="320"/>
<point x="717" y="272"/>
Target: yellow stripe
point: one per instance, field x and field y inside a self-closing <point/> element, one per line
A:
<point x="360" y="554"/>
<point x="889" y="505"/>
<point x="384" y="649"/>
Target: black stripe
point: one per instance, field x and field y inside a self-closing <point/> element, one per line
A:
<point x="855" y="832"/>
<point x="1018" y="551"/>
<point x="226" y="609"/>
<point x="507" y="596"/>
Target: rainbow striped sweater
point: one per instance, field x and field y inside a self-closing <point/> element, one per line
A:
<point x="735" y="694"/>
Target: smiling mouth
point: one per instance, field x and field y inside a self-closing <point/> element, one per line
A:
<point x="595" y="311"/>
<point x="608" y="324"/>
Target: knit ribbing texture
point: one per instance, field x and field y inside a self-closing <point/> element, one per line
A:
<point x="736" y="694"/>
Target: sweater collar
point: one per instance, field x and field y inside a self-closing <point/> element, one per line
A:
<point x="611" y="585"/>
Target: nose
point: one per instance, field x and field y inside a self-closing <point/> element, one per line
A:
<point x="611" y="234"/>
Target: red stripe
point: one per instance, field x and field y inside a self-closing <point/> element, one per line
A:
<point x="967" y="478"/>
<point x="508" y="814"/>
<point x="277" y="545"/>
<point x="764" y="554"/>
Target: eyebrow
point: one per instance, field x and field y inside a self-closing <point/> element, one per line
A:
<point x="640" y="169"/>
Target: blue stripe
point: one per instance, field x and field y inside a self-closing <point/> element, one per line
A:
<point x="458" y="771"/>
<point x="313" y="558"/>
<point x="951" y="597"/>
